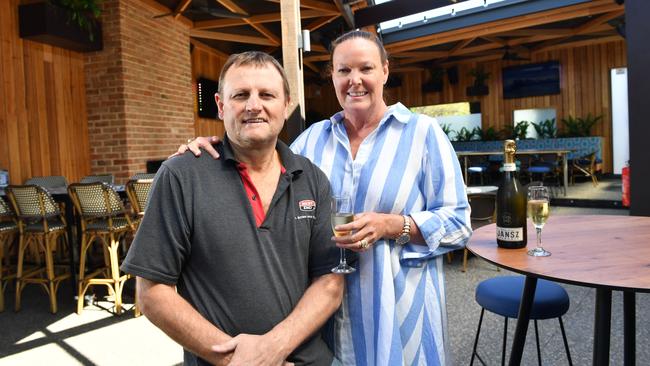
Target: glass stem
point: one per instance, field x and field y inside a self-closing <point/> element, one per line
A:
<point x="539" y="237"/>
<point x="344" y="260"/>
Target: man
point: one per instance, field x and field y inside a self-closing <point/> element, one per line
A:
<point x="245" y="240"/>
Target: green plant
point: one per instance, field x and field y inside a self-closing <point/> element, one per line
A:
<point x="82" y="12"/>
<point x="489" y="134"/>
<point x="516" y="132"/>
<point x="479" y="75"/>
<point x="545" y="129"/>
<point x="521" y="130"/>
<point x="579" y="127"/>
<point x="464" y="134"/>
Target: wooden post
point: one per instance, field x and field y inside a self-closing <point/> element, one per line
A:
<point x="292" y="62"/>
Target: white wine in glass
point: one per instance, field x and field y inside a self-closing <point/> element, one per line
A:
<point x="342" y="214"/>
<point x="341" y="219"/>
<point x="538" y="211"/>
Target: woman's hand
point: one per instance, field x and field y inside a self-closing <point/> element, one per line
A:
<point x="367" y="228"/>
<point x="195" y="145"/>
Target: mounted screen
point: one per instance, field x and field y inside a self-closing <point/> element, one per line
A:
<point x="531" y="80"/>
<point x="205" y="103"/>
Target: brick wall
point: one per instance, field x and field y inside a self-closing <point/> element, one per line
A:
<point x="139" y="91"/>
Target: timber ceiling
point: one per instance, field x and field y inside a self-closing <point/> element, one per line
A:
<point x="230" y="26"/>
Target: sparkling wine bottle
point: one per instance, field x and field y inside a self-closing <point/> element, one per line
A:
<point x="511" y="203"/>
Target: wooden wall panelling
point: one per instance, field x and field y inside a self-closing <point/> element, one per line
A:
<point x="43" y="128"/>
<point x="206" y="63"/>
<point x="585" y="88"/>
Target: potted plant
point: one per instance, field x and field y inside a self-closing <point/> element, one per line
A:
<point x="516" y="132"/>
<point x="488" y="134"/>
<point x="465" y="134"/>
<point x="434" y="84"/>
<point x="479" y="87"/>
<point x="69" y="24"/>
<point x="579" y="127"/>
<point x="545" y="129"/>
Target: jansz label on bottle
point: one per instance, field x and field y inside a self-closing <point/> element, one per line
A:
<point x="510" y="233"/>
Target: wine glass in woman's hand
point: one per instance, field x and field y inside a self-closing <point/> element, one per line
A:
<point x="342" y="214"/>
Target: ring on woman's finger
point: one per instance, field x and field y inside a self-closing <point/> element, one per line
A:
<point x="189" y="140"/>
<point x="364" y="244"/>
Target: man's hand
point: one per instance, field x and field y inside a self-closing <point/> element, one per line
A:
<point x="195" y="145"/>
<point x="249" y="349"/>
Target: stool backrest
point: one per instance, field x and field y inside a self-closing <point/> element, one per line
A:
<point x="33" y="204"/>
<point x="32" y="201"/>
<point x="94" y="200"/>
<point x="138" y="192"/>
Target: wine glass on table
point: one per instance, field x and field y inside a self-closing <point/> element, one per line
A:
<point x="538" y="211"/>
<point x="342" y="214"/>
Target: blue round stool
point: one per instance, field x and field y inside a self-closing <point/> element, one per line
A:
<point x="502" y="295"/>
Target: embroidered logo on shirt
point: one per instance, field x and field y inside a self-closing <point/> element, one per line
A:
<point x="307" y="205"/>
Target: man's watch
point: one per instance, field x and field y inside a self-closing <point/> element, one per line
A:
<point x="405" y="236"/>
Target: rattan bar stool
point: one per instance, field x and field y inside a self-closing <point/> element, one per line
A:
<point x="41" y="224"/>
<point x="138" y="193"/>
<point x="103" y="220"/>
<point x="8" y="231"/>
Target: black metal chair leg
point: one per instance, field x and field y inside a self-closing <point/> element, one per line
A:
<point x="478" y="331"/>
<point x="505" y="338"/>
<point x="566" y="343"/>
<point x="539" y="353"/>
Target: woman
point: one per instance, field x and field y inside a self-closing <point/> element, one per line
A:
<point x="411" y="207"/>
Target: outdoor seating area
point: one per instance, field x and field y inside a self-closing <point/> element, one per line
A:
<point x="417" y="115"/>
<point x="53" y="231"/>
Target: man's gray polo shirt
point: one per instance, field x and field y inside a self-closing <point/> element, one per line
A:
<point x="199" y="233"/>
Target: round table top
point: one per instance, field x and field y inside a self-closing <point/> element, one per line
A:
<point x="595" y="251"/>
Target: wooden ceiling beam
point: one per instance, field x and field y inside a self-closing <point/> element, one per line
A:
<point x="198" y="44"/>
<point x="231" y="6"/>
<point x="460" y="45"/>
<point x="586" y="42"/>
<point x="487" y="58"/>
<point x="414" y="54"/>
<point x="317" y="23"/>
<point x="505" y="25"/>
<point x="345" y="12"/>
<point x="180" y="8"/>
<point x="496" y="40"/>
<point x="319" y="48"/>
<point x="459" y="52"/>
<point x="261" y="18"/>
<point x="316" y="58"/>
<point x="311" y="66"/>
<point x="587" y="27"/>
<point x="220" y="36"/>
<point x="314" y="4"/>
<point x="533" y="32"/>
